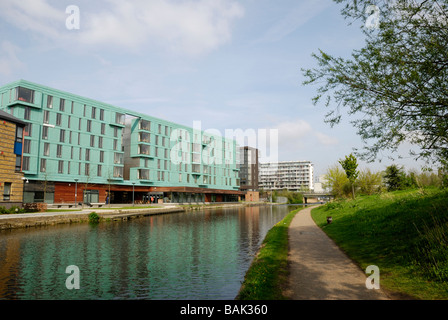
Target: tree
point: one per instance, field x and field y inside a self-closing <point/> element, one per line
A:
<point x="350" y="165"/>
<point x="396" y="85"/>
<point x="369" y="182"/>
<point x="394" y="178"/>
<point x="336" y="180"/>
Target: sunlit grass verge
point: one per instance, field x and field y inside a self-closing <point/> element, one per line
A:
<point x="268" y="273"/>
<point x="404" y="233"/>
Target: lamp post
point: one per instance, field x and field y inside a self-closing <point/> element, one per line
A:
<point x="76" y="193"/>
<point x="133" y="183"/>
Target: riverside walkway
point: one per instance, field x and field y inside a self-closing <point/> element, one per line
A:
<point x="319" y="270"/>
<point x="26" y="220"/>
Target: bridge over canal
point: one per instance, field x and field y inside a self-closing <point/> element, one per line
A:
<point x="310" y="197"/>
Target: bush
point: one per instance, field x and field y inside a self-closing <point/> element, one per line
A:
<point x="13" y="209"/>
<point x="295" y="198"/>
<point x="94" y="217"/>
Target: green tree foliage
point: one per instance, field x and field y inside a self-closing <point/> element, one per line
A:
<point x="394" y="178"/>
<point x="350" y="166"/>
<point x="369" y="182"/>
<point x="395" y="87"/>
<point x="336" y="180"/>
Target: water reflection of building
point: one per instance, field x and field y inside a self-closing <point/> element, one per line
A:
<point x="9" y="266"/>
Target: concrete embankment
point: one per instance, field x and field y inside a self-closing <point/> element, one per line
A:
<point x="27" y="220"/>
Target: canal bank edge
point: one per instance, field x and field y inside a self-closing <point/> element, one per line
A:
<point x="267" y="276"/>
<point x="28" y="220"/>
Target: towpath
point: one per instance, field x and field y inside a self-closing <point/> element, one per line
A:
<point x="319" y="270"/>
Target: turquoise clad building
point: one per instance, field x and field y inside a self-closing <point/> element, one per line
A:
<point x="77" y="149"/>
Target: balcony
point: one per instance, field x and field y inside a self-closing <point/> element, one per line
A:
<point x="143" y="174"/>
<point x="144" y="151"/>
<point x="144" y="125"/>
<point x="120" y="119"/>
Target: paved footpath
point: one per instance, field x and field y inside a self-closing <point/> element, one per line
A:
<point x="319" y="269"/>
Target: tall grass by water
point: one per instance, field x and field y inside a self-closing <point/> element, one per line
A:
<point x="404" y="233"/>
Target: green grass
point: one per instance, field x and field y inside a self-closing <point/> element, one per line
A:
<point x="404" y="233"/>
<point x="267" y="275"/>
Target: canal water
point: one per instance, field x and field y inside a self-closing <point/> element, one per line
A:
<point x="191" y="255"/>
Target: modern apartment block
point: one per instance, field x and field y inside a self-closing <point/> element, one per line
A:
<point x="248" y="168"/>
<point x="291" y="175"/>
<point x="77" y="149"/>
<point x="11" y="145"/>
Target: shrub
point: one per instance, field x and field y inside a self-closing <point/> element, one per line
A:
<point x="94" y="217"/>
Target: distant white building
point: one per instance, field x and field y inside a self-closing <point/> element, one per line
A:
<point x="319" y="184"/>
<point x="291" y="175"/>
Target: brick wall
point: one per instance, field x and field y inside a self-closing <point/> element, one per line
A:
<point x="8" y="162"/>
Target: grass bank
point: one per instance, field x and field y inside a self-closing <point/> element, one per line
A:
<point x="404" y="233"/>
<point x="267" y="275"/>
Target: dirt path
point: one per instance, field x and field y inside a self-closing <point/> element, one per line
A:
<point x="319" y="269"/>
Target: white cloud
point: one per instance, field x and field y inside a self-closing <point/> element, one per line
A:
<point x="190" y="27"/>
<point x="9" y="62"/>
<point x="35" y="16"/>
<point x="326" y="140"/>
<point x="292" y="133"/>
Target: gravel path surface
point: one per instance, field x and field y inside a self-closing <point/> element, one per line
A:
<point x="319" y="270"/>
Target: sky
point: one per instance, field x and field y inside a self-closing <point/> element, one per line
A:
<point x="230" y="65"/>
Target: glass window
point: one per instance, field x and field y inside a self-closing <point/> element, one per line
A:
<point x="145" y="125"/>
<point x="118" y="158"/>
<point x="19" y="134"/>
<point x="7" y="191"/>
<point x="89" y="125"/>
<point x="99" y="170"/>
<point x="61" y="166"/>
<point x="143" y="149"/>
<point x="143" y="137"/>
<point x="28" y="129"/>
<point x="46" y="149"/>
<point x="101" y="114"/>
<point x="46" y="116"/>
<point x="18" y="162"/>
<point x="118" y="172"/>
<point x="103" y="128"/>
<point x="62" y="136"/>
<point x="59" y="151"/>
<point x="45" y="133"/>
<point x="24" y="94"/>
<point x="50" y="102"/>
<point x="119" y="118"/>
<point x="62" y="105"/>
<point x="27" y="114"/>
<point x="93" y="112"/>
<point x="58" y="119"/>
<point x="26" y="146"/>
<point x="143" y="174"/>
<point x="26" y="163"/>
<point x="43" y="165"/>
